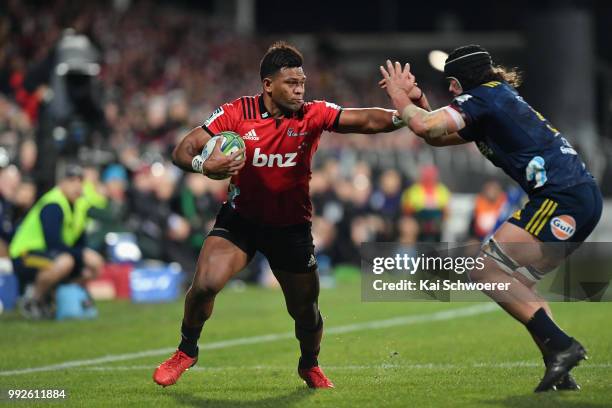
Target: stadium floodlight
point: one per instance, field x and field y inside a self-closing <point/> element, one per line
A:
<point x="437" y="59"/>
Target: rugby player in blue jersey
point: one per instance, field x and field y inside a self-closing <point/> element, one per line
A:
<point x="564" y="205"/>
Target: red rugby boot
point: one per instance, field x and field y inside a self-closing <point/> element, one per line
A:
<point x="168" y="372"/>
<point x="314" y="377"/>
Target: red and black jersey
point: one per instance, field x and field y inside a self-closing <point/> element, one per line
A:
<point x="273" y="187"/>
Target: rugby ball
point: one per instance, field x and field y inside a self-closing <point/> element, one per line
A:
<point x="230" y="143"/>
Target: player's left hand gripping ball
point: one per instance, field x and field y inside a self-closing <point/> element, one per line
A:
<point x="229" y="144"/>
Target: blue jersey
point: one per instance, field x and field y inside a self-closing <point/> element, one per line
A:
<point x="518" y="139"/>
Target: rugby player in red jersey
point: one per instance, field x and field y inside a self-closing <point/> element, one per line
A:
<point x="269" y="207"/>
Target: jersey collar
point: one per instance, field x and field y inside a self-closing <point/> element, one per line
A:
<point x="263" y="112"/>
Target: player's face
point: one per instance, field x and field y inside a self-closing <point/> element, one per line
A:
<point x="454" y="87"/>
<point x="287" y="88"/>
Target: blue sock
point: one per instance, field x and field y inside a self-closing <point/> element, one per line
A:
<point x="545" y="330"/>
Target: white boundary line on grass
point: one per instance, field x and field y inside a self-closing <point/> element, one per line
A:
<point x="372" y="325"/>
<point x="384" y="366"/>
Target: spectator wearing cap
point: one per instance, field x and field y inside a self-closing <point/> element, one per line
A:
<point x="114" y="216"/>
<point x="49" y="246"/>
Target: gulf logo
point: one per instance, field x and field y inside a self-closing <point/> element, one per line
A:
<point x="563" y="227"/>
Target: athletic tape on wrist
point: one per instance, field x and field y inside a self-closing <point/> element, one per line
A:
<point x="197" y="164"/>
<point x="410" y="112"/>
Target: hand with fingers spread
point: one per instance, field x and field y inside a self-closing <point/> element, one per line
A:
<point x="219" y="163"/>
<point x="399" y="83"/>
<point x="415" y="95"/>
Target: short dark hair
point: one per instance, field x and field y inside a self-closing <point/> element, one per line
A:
<point x="279" y="55"/>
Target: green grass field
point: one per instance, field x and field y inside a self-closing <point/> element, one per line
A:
<point x="378" y="354"/>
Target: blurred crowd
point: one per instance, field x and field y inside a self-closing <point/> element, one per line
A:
<point x="162" y="70"/>
<point x="169" y="213"/>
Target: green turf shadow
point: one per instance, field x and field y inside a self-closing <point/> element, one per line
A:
<point x="550" y="399"/>
<point x="194" y="400"/>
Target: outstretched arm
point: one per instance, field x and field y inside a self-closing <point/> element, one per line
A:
<point x="377" y="120"/>
<point x="438" y="127"/>
<point x="368" y="120"/>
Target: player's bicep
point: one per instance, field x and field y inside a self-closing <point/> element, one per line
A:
<point x="437" y="123"/>
<point x="451" y="139"/>
<point x="196" y="139"/>
<point x="223" y="118"/>
<point x="453" y="119"/>
<point x="440" y="127"/>
<point x="366" y="120"/>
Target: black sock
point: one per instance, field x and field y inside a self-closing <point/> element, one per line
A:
<point x="309" y="357"/>
<point x="189" y="340"/>
<point x="545" y="330"/>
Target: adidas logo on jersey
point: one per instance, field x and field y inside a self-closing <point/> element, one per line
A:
<point x="270" y="160"/>
<point x="250" y="135"/>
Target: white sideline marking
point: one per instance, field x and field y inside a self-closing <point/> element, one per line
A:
<point x="424" y="366"/>
<point x="376" y="324"/>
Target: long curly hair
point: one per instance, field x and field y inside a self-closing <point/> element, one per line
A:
<point x="500" y="73"/>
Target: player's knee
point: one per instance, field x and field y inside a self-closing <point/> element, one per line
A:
<point x="204" y="290"/>
<point x="207" y="286"/>
<point x="488" y="272"/>
<point x="210" y="278"/>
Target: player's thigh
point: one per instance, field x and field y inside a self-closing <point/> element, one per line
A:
<point x="226" y="251"/>
<point x="289" y="249"/>
<point x="515" y="252"/>
<point x="521" y="246"/>
<point x="550" y="227"/>
<point x="219" y="260"/>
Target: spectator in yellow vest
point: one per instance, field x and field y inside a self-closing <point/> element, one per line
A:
<point x="427" y="201"/>
<point x="49" y="246"/>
